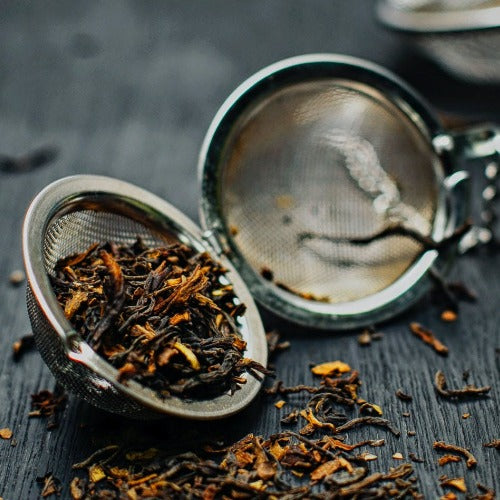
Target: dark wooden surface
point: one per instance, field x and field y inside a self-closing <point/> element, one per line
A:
<point x="128" y="89"/>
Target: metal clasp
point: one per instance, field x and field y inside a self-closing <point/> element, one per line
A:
<point x="481" y="143"/>
<point x="214" y="240"/>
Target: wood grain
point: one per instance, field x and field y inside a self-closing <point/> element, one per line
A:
<point x="128" y="89"/>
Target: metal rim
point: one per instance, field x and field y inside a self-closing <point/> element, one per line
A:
<point x="427" y="21"/>
<point x="404" y="291"/>
<point x="60" y="195"/>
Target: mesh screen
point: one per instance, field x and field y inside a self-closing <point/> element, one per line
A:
<point x="76" y="231"/>
<point x="316" y="164"/>
<point x="75" y="377"/>
<point x="66" y="235"/>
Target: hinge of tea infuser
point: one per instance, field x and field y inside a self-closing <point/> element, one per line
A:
<point x="482" y="143"/>
<point x="215" y="241"/>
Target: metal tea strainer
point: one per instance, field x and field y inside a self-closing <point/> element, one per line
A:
<point x="305" y="156"/>
<point x="316" y="151"/>
<point x="67" y="217"/>
<point x="463" y="36"/>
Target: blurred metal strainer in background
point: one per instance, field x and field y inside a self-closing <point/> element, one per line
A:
<point x="305" y="160"/>
<point x="463" y="36"/>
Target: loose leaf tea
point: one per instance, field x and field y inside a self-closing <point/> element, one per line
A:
<point x="330" y="368"/>
<point x="17" y="277"/>
<point x="366" y="337"/>
<point x="471" y="459"/>
<point x="449" y="316"/>
<point x="164" y="317"/>
<point x="429" y="338"/>
<point x="415" y="458"/>
<point x="22" y="345"/>
<point x="462" y="292"/>
<point x="403" y="396"/>
<point x="29" y="161"/>
<point x="304" y="295"/>
<point x="314" y="463"/>
<point x="449" y="496"/>
<point x="285" y="465"/>
<point x="50" y="485"/>
<point x="451" y="293"/>
<point x="486" y="493"/>
<point x="274" y="343"/>
<point x="49" y="405"/>
<point x="446" y="459"/>
<point x="5" y="433"/>
<point x="493" y="444"/>
<point x="381" y="422"/>
<point x="464" y="392"/>
<point x="394" y="230"/>
<point x="321" y="411"/>
<point x="268" y="275"/>
<point x="457" y="482"/>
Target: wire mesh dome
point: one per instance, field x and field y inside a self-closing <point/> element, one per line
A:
<point x="66" y="218"/>
<point x="307" y="159"/>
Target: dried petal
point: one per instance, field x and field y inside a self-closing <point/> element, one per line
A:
<point x="179" y="318"/>
<point x="370" y="408"/>
<point x="51" y="485"/>
<point x="330" y="467"/>
<point x="188" y="354"/>
<point x="277" y="451"/>
<point x="96" y="473"/>
<point x="143" y="331"/>
<point x="244" y="458"/>
<point x="457" y="483"/>
<point x="449" y="496"/>
<point x="164" y="357"/>
<point x="449" y="316"/>
<point x="127" y="371"/>
<point x="445" y="459"/>
<point x="266" y="470"/>
<point x="118" y="472"/>
<point x="311" y="418"/>
<point x="5" y="433"/>
<point x="429" y="338"/>
<point x="142" y="480"/>
<point x="330" y="368"/>
<point x="76" y="489"/>
<point x="257" y="485"/>
<point x="210" y="492"/>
